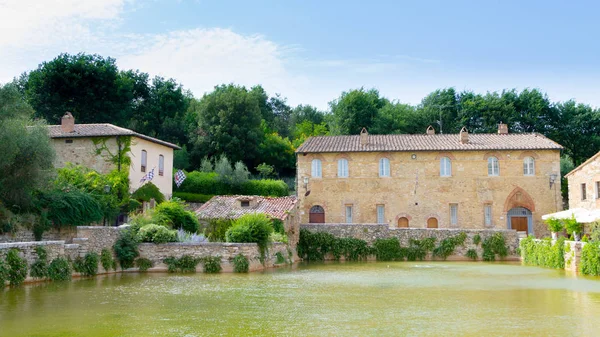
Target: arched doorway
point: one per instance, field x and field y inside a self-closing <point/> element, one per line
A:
<point x="316" y="214"/>
<point x="403" y="222"/>
<point x="432" y="223"/>
<point x="520" y="219"/>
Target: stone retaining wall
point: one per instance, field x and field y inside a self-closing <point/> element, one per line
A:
<point x="26" y="235"/>
<point x="372" y="232"/>
<point x="53" y="248"/>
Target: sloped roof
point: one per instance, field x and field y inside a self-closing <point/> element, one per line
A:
<point x="228" y="207"/>
<point x="102" y="130"/>
<point x="424" y="142"/>
<point x="592" y="158"/>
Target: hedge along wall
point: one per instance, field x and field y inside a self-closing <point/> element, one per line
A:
<point x="205" y="184"/>
<point x="372" y="232"/>
<point x="550" y="254"/>
<point x="227" y="251"/>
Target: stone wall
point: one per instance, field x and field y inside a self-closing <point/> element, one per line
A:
<point x="26" y="235"/>
<point x="27" y="249"/>
<point x="82" y="151"/>
<point x="573" y="255"/>
<point x="589" y="174"/>
<point x="372" y="232"/>
<point x="416" y="191"/>
<point x="227" y="251"/>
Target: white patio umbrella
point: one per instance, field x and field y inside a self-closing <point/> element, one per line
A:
<point x="582" y="215"/>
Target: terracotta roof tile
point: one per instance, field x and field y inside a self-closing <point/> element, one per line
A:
<point x="228" y="207"/>
<point x="438" y="142"/>
<point x="102" y="130"/>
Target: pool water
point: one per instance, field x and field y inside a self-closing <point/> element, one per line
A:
<point x="334" y="299"/>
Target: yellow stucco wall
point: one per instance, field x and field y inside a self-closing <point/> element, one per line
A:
<point x="164" y="182"/>
<point x="588" y="174"/>
<point x="82" y="151"/>
<point x="415" y="189"/>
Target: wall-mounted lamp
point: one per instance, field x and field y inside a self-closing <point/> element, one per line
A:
<point x="305" y="182"/>
<point x="552" y="179"/>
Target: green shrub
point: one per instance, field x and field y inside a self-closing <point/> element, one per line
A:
<point x="448" y="245"/>
<point x="572" y="226"/>
<point x="106" y="259"/>
<point x="241" y="264"/>
<point x="59" y="270"/>
<point x="476" y="239"/>
<point x="212" y="264"/>
<point x="388" y="249"/>
<point x="39" y="268"/>
<point x="418" y="249"/>
<point x="88" y="266"/>
<point x="472" y="254"/>
<point x="494" y="245"/>
<point x="216" y="229"/>
<point x="278" y="226"/>
<point x="148" y="191"/>
<point x="251" y="228"/>
<point x="126" y="248"/>
<point x="3" y="274"/>
<point x="278" y="237"/>
<point x="265" y="187"/>
<point x="350" y="248"/>
<point x="133" y="205"/>
<point x="314" y="246"/>
<point x="555" y="225"/>
<point x="17" y="267"/>
<point x="143" y="264"/>
<point x="204" y="183"/>
<point x="543" y="253"/>
<point x="70" y="207"/>
<point x="193" y="197"/>
<point x="279" y="259"/>
<point x="184" y="264"/>
<point x="174" y="215"/>
<point x="156" y="234"/>
<point x="590" y="259"/>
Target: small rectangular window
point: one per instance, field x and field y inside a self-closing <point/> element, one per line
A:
<point x="488" y="215"/>
<point x="144" y="160"/>
<point x="453" y="214"/>
<point x="380" y="214"/>
<point x="583" y="196"/>
<point x="245" y="203"/>
<point x="348" y="213"/>
<point x="69" y="141"/>
<point x="161" y="165"/>
<point x="597" y="189"/>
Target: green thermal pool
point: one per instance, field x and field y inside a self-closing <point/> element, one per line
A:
<point x="348" y="299"/>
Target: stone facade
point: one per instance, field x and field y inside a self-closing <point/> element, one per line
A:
<point x="372" y="232"/>
<point x="415" y="191"/>
<point x="82" y="151"/>
<point x="53" y="248"/>
<point x="585" y="177"/>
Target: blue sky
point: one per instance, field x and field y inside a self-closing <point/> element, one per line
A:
<point x="310" y="51"/>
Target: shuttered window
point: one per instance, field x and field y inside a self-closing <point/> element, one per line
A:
<point x="487" y="210"/>
<point x="348" y="213"/>
<point x="453" y="214"/>
<point x="445" y="167"/>
<point x="343" y="168"/>
<point x="144" y="161"/>
<point x="316" y="168"/>
<point x="380" y="214"/>
<point x="384" y="167"/>
<point x="161" y="165"/>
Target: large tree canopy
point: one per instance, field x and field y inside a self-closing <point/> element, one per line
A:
<point x="354" y="110"/>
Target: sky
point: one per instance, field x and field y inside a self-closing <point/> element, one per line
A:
<point x="311" y="51"/>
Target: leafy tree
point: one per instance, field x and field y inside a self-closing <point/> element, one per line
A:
<point x="356" y="109"/>
<point x="307" y="129"/>
<point x="282" y="116"/>
<point x="393" y="118"/>
<point x="439" y="107"/>
<point x="206" y="165"/>
<point x="265" y="170"/>
<point x="85" y="85"/>
<point x="13" y="104"/>
<point x="278" y="152"/>
<point x="181" y="158"/>
<point x="229" y="124"/>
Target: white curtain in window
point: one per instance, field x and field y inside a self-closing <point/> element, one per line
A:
<point x="445" y="167"/>
<point x="349" y="214"/>
<point x="316" y="168"/>
<point x="343" y="168"/>
<point x="380" y="214"/>
<point x="493" y="168"/>
<point x="454" y="214"/>
<point x="488" y="215"/>
<point x="384" y="167"/>
<point x="528" y="166"/>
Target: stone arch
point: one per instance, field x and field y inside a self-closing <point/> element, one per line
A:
<point x="403" y="215"/>
<point x="493" y="154"/>
<point x="519" y="198"/>
<point x="440" y="155"/>
<point x="531" y="154"/>
<point x="346" y="156"/>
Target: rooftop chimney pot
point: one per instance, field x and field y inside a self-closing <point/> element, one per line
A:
<point x="502" y="129"/>
<point x="67" y="123"/>
<point x="364" y="137"/>
<point x="464" y="135"/>
<point x="430" y="130"/>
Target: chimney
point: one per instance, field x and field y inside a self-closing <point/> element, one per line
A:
<point x="364" y="137"/>
<point x="502" y="129"/>
<point x="430" y="130"/>
<point x="464" y="135"/>
<point x="67" y="123"/>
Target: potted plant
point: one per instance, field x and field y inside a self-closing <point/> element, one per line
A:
<point x="573" y="227"/>
<point x="555" y="225"/>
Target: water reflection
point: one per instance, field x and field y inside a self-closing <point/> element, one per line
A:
<point x="351" y="299"/>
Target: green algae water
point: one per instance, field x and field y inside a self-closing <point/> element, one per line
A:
<point x="347" y="299"/>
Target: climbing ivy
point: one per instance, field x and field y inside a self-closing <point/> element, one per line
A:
<point x="590" y="259"/>
<point x="448" y="245"/>
<point x="543" y="253"/>
<point x="493" y="246"/>
<point x="121" y="158"/>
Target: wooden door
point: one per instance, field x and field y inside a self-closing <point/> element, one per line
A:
<point x="316" y="215"/>
<point x="432" y="223"/>
<point x="519" y="223"/>
<point x="402" y="222"/>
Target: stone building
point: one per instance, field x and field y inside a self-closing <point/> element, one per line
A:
<point x="96" y="146"/>
<point x="234" y="206"/>
<point x="584" y="185"/>
<point x="430" y="180"/>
